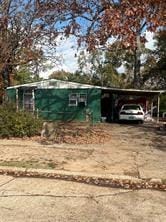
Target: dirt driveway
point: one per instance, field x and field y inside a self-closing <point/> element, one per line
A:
<point x="134" y="150"/>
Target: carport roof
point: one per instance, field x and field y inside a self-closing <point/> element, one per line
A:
<point x="136" y="92"/>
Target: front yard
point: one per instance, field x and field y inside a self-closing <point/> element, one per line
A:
<point x="134" y="150"/>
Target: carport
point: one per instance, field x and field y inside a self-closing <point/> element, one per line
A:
<point x="111" y="96"/>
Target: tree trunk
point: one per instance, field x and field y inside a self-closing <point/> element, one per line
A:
<point x="6" y="80"/>
<point x="1" y="89"/>
<point x="137" y="64"/>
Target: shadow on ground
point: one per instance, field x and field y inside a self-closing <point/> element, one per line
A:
<point x="150" y="131"/>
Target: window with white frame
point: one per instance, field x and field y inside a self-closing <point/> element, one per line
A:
<point x="82" y="99"/>
<point x="73" y="99"/>
<point x="28" y="102"/>
<point x="78" y="99"/>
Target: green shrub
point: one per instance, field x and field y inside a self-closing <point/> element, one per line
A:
<point x="18" y="124"/>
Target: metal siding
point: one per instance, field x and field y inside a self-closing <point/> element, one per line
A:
<point x="94" y="104"/>
<point x="11" y="93"/>
<point x="53" y="104"/>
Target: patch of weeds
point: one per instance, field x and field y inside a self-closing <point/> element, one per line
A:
<point x="164" y="181"/>
<point x="51" y="165"/>
<point x="131" y="173"/>
<point x="28" y="164"/>
<point x="68" y="158"/>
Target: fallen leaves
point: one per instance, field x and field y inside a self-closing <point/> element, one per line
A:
<point x="131" y="183"/>
<point x="74" y="133"/>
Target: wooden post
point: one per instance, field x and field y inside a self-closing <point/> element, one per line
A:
<point x="17" y="106"/>
<point x="37" y="113"/>
<point x="158" y="108"/>
<point x="151" y="108"/>
<point x="33" y="100"/>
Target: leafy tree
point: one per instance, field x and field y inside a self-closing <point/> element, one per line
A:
<point x="24" y="37"/>
<point x="25" y="75"/>
<point x="61" y="75"/>
<point x="100" y="66"/>
<point x="73" y="77"/>
<point x="129" y="63"/>
<point x="103" y="65"/>
<point x="155" y="68"/>
<point x="95" y="22"/>
<point x="80" y="77"/>
<point x="28" y="27"/>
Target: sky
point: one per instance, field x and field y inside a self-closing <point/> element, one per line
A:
<point x="67" y="50"/>
<point x="151" y="41"/>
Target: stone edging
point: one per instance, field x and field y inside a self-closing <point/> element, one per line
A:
<point x="114" y="181"/>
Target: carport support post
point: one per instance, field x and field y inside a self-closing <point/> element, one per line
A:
<point x="158" y="108"/>
<point x="151" y="108"/>
<point x="16" y="99"/>
<point x="33" y="99"/>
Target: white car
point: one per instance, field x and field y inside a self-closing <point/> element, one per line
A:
<point x="132" y="112"/>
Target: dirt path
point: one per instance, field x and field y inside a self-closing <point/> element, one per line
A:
<point x="134" y="150"/>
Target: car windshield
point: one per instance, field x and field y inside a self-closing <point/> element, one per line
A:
<point x="128" y="107"/>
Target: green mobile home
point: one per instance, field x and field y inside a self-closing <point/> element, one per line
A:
<point x="66" y="101"/>
<point x="58" y="100"/>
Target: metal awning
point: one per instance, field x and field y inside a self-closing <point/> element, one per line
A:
<point x="134" y="92"/>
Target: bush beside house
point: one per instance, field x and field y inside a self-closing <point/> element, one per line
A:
<point x="17" y="124"/>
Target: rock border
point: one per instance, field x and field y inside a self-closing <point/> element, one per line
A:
<point x="114" y="181"/>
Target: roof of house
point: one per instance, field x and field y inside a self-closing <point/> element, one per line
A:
<point x="54" y="83"/>
<point x="59" y="84"/>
